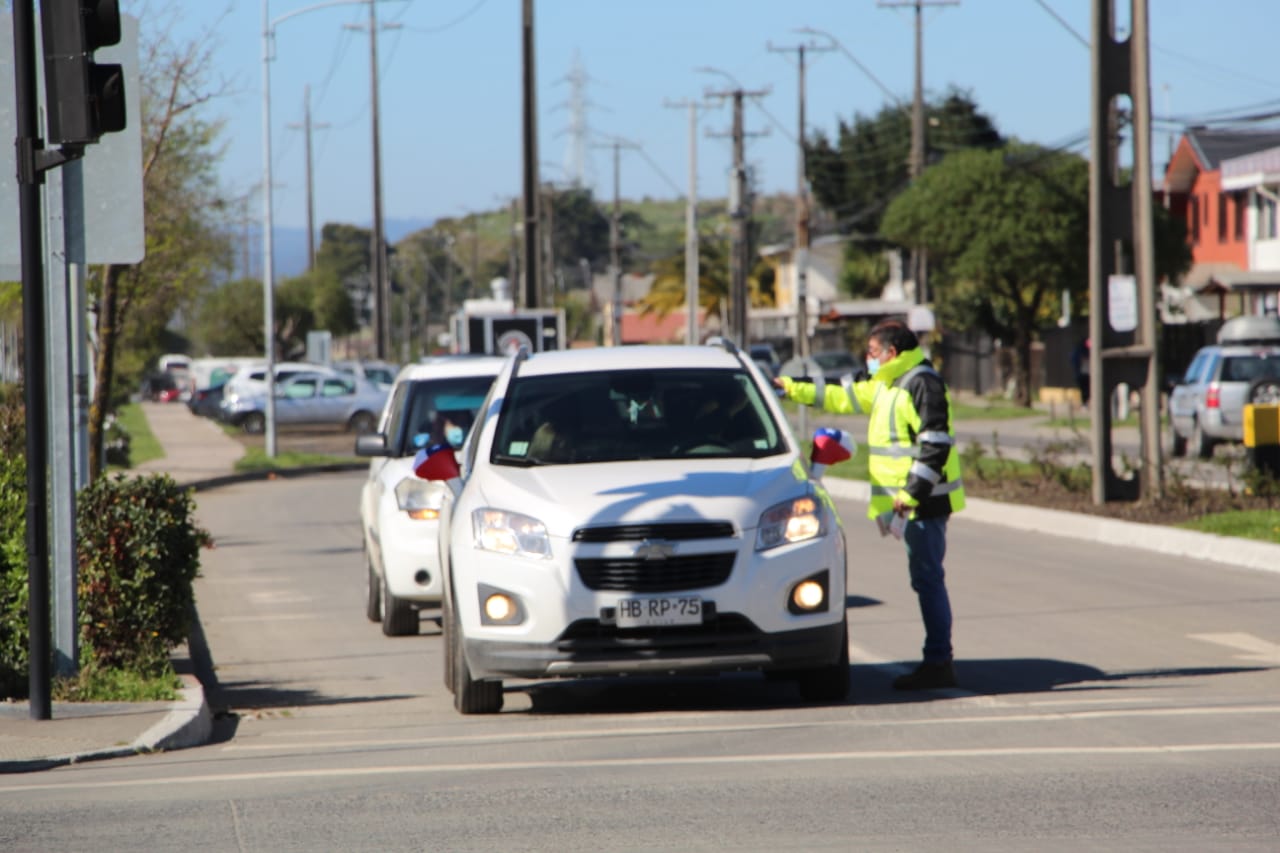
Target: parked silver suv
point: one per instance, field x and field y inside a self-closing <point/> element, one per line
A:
<point x="1206" y="406"/>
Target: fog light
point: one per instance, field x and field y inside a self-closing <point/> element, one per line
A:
<point x="499" y="607"/>
<point x="811" y="594"/>
<point x="808" y="595"/>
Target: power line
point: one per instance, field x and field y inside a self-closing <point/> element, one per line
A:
<point x="1063" y="21"/>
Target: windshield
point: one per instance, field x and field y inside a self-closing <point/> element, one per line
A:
<point x="834" y="360"/>
<point x="439" y="411"/>
<point x="633" y="415"/>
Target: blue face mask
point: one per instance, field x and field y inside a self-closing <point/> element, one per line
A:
<point x="873" y="364"/>
<point x="454" y="435"/>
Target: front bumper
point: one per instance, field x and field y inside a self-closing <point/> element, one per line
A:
<point x="725" y="642"/>
<point x="566" y="626"/>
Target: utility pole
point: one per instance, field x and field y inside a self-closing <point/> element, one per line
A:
<point x="740" y="216"/>
<point x="919" y="268"/>
<point x="615" y="240"/>
<point x="802" y="203"/>
<point x="1122" y="323"/>
<point x="691" y="258"/>
<point x="377" y="243"/>
<point x="307" y="126"/>
<point x="532" y="266"/>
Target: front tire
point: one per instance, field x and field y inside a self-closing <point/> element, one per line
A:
<point x="372" y="593"/>
<point x="362" y="423"/>
<point x="254" y="423"/>
<point x="398" y="618"/>
<point x="827" y="683"/>
<point x="469" y="696"/>
<point x="1179" y="447"/>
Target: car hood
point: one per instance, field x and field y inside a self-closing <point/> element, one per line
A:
<point x="566" y="497"/>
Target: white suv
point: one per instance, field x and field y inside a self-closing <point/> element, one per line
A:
<point x="434" y="401"/>
<point x="638" y="510"/>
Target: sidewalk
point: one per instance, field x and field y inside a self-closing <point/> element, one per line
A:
<point x="199" y="454"/>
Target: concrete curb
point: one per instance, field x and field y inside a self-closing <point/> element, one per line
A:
<point x="188" y="723"/>
<point x="1228" y="550"/>
<point x="269" y="473"/>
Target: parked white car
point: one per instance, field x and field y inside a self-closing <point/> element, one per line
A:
<point x="434" y="401"/>
<point x="638" y="510"/>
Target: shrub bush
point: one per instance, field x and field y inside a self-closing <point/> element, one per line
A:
<point x="13" y="545"/>
<point x="139" y="554"/>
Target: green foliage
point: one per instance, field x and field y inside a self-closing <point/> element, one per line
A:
<point x="94" y="683"/>
<point x="1020" y="241"/>
<point x="138" y="558"/>
<point x="13" y="546"/>
<point x="865" y="270"/>
<point x="256" y="459"/>
<point x="142" y="443"/>
<point x="667" y="293"/>
<point x="866" y="165"/>
<point x="229" y="319"/>
<point x="1261" y="524"/>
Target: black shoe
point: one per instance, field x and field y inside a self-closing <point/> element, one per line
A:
<point x="927" y="676"/>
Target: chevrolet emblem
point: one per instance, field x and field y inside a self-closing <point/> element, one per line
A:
<point x="655" y="549"/>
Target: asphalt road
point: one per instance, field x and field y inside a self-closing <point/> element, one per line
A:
<point x="1112" y="699"/>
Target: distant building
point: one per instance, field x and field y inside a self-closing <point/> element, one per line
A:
<point x="1225" y="184"/>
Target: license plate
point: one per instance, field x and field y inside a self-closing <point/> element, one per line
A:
<point x="657" y="612"/>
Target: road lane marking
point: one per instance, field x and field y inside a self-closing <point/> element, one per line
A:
<point x="1256" y="648"/>
<point x="64" y="784"/>
<point x="584" y="734"/>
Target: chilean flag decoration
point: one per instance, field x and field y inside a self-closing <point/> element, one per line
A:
<point x="829" y="447"/>
<point x="436" y="462"/>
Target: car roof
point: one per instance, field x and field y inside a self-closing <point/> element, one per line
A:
<point x="449" y="366"/>
<point x="642" y="357"/>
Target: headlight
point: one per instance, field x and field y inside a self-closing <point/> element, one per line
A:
<point x="793" y="521"/>
<point x="510" y="533"/>
<point x="421" y="499"/>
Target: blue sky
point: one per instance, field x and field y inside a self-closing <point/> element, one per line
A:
<point x="450" y="86"/>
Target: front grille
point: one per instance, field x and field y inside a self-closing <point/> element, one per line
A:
<point x="587" y="635"/>
<point x="673" y="574"/>
<point x="640" y="532"/>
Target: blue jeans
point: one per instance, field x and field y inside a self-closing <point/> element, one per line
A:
<point x="926" y="542"/>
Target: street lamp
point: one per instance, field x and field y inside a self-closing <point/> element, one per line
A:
<point x="268" y="218"/>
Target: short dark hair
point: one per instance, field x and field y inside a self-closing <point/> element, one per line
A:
<point x="894" y="333"/>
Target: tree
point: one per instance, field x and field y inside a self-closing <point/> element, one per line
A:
<point x="1006" y="231"/>
<point x="228" y="320"/>
<point x="667" y="293"/>
<point x="867" y="164"/>
<point x="187" y="245"/>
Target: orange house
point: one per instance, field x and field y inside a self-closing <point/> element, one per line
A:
<point x="1216" y="219"/>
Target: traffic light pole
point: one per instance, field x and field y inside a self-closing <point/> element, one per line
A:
<point x="29" y="180"/>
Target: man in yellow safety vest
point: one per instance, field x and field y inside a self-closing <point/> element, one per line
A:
<point x="914" y="471"/>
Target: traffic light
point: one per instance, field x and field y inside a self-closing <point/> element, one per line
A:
<point x="83" y="99"/>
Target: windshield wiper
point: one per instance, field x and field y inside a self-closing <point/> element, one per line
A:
<point x="516" y="461"/>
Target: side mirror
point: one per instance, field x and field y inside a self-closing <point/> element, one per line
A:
<point x="372" y="444"/>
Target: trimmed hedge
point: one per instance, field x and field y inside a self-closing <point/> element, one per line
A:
<point x="138" y="556"/>
<point x="13" y="545"/>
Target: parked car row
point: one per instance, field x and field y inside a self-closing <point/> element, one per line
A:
<point x="305" y="394"/>
<point x="632" y="510"/>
